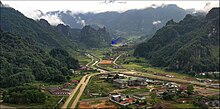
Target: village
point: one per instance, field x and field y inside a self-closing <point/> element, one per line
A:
<point x="117" y="87"/>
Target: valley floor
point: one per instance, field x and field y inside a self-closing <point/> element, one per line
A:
<point x="93" y="92"/>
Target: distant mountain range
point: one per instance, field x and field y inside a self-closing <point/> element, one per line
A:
<point x="191" y="45"/>
<point x="47" y="36"/>
<point x="138" y="22"/>
<point x="36" y="51"/>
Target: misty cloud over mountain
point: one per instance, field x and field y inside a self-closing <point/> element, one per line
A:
<point x="132" y="22"/>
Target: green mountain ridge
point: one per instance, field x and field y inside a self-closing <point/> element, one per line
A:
<point x="93" y="38"/>
<point x="36" y="51"/>
<point x="15" y="22"/>
<point x="134" y="22"/>
<point x="22" y="61"/>
<point x="48" y="36"/>
<point x="191" y="45"/>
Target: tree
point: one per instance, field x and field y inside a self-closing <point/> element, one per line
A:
<point x="153" y="95"/>
<point x="59" y="53"/>
<point x="24" y="95"/>
<point x="116" y="76"/>
<point x="59" y="78"/>
<point x="190" y="88"/>
<point x="68" y="78"/>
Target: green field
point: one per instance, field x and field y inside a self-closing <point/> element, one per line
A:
<point x="172" y="104"/>
<point x="185" y="106"/>
<point x="98" y="53"/>
<point x="135" y="91"/>
<point x="83" y="60"/>
<point x="78" y="77"/>
<point x="96" y="85"/>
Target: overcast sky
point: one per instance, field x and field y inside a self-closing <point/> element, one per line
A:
<point x="99" y="6"/>
<point x="29" y="8"/>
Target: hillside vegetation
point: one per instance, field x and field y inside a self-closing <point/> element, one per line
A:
<point x="191" y="45"/>
<point x="22" y="61"/>
<point x="47" y="36"/>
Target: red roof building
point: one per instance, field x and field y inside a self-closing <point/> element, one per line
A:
<point x="75" y="81"/>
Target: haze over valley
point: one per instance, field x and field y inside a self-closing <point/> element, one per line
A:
<point x="158" y="55"/>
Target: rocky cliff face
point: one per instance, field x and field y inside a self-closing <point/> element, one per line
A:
<point x="93" y="38"/>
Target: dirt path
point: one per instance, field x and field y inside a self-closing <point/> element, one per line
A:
<point x="114" y="62"/>
<point x="6" y="107"/>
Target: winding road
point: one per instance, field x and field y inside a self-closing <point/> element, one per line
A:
<point x="114" y="62"/>
<point x="83" y="82"/>
<point x="74" y="92"/>
<point x="82" y="88"/>
<point x="94" y="64"/>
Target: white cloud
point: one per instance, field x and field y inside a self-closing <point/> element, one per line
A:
<point x="34" y="14"/>
<point x="37" y="14"/>
<point x="28" y="8"/>
<point x="207" y="7"/>
<point x="82" y="22"/>
<point x="156" y="22"/>
<point x="52" y="19"/>
<point x="98" y="6"/>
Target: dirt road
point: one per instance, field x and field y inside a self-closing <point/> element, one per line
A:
<point x="114" y="62"/>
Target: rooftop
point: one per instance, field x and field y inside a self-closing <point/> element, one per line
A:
<point x="106" y="62"/>
<point x="120" y="80"/>
<point x="129" y="78"/>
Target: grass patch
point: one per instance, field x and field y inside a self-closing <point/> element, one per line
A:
<point x="98" y="52"/>
<point x="83" y="60"/>
<point x="79" y="77"/>
<point x="96" y="85"/>
<point x="74" y="97"/>
<point x="185" y="106"/>
<point x="95" y="102"/>
<point x="135" y="90"/>
<point x="51" y="101"/>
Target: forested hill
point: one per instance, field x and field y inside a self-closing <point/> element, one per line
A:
<point x="48" y="36"/>
<point x="87" y="37"/>
<point x="93" y="38"/>
<point x="191" y="45"/>
<point x="15" y="22"/>
<point x="22" y="61"/>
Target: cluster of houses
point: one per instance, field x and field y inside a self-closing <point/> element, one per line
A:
<point x="124" y="100"/>
<point x="65" y="90"/>
<point x="129" y="81"/>
<point x="211" y="103"/>
<point x="126" y="81"/>
<point x="85" y="68"/>
<point x="206" y="80"/>
<point x="59" y="91"/>
<point x="207" y="73"/>
<point x="165" y="75"/>
<point x="120" y="99"/>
